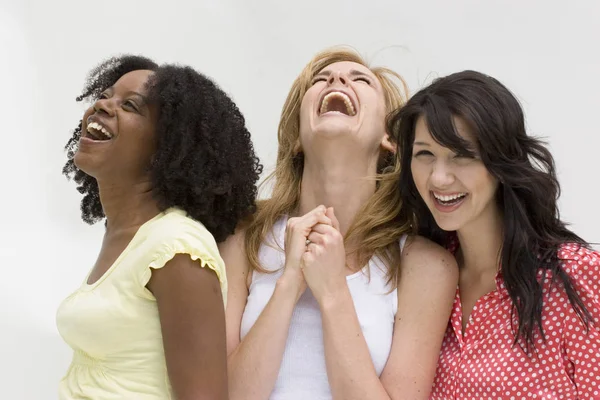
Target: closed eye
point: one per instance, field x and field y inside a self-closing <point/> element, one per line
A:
<point x="366" y="80"/>
<point x="131" y="104"/>
<point x="465" y="156"/>
<point x="315" y="80"/>
<point x="423" y="153"/>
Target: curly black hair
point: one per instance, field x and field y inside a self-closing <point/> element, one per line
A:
<point x="204" y="163"/>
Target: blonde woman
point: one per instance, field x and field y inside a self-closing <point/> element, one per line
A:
<point x="328" y="296"/>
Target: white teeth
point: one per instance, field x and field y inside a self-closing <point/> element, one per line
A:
<point x="107" y="133"/>
<point x="93" y="125"/>
<point x="449" y="197"/>
<point x="98" y="128"/>
<point x="340" y="95"/>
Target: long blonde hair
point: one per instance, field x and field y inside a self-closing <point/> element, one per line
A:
<point x="376" y="228"/>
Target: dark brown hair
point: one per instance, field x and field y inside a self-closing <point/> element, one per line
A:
<point x="528" y="187"/>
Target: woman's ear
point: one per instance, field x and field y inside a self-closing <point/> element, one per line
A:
<point x="387" y="144"/>
<point x="297" y="147"/>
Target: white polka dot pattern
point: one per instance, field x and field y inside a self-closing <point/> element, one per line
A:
<point x="484" y="364"/>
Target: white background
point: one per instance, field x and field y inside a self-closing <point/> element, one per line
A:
<point x="547" y="52"/>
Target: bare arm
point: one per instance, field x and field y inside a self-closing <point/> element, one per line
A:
<point x="190" y="307"/>
<point x="350" y="369"/>
<point x="425" y="294"/>
<point x="254" y="362"/>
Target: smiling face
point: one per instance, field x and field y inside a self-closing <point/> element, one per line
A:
<point x="118" y="131"/>
<point x="346" y="100"/>
<point x="457" y="189"/>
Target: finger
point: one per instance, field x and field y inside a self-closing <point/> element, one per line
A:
<point x="331" y="215"/>
<point x="322" y="219"/>
<point x="307" y="258"/>
<point x="305" y="224"/>
<point x="318" y="209"/>
<point x="323" y="229"/>
<point x="302" y="225"/>
<point x="317" y="216"/>
<point x="312" y="247"/>
<point x="315" y="237"/>
<point x="298" y="229"/>
<point x="315" y="211"/>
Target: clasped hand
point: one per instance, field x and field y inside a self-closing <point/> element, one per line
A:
<point x="315" y="253"/>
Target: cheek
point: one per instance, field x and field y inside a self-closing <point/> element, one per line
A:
<point x="491" y="187"/>
<point x="308" y="101"/>
<point x="419" y="174"/>
<point x="303" y="107"/>
<point x="87" y="113"/>
<point x="375" y="104"/>
<point x="482" y="182"/>
<point x="138" y="136"/>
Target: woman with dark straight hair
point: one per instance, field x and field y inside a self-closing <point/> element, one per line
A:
<point x="525" y="317"/>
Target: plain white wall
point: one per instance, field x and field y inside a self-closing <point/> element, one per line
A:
<point x="546" y="52"/>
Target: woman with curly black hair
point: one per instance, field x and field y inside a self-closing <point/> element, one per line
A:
<point x="525" y="317"/>
<point x="164" y="158"/>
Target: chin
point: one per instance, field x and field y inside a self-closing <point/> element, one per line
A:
<point x="449" y="227"/>
<point x="333" y="127"/>
<point x="448" y="223"/>
<point x="84" y="163"/>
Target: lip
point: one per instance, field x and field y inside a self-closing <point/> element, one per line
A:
<point x="447" y="208"/>
<point x="447" y="194"/>
<point x="86" y="142"/>
<point x="346" y="92"/>
<point x="98" y="120"/>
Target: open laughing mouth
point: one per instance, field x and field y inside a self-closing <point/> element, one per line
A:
<point x="337" y="102"/>
<point x="448" y="202"/>
<point x="97" y="132"/>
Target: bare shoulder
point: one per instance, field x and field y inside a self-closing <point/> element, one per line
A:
<point x="237" y="267"/>
<point x="234" y="243"/>
<point x="423" y="256"/>
<point x="233" y="252"/>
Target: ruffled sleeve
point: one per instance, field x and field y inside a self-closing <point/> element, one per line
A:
<point x="181" y="235"/>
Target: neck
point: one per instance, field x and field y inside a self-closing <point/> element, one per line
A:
<point x="346" y="185"/>
<point x="481" y="242"/>
<point x="126" y="205"/>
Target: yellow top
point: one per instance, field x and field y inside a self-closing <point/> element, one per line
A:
<point x="113" y="324"/>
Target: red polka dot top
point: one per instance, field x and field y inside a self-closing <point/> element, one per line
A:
<point x="484" y="363"/>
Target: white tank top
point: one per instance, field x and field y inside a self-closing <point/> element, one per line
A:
<point x="303" y="374"/>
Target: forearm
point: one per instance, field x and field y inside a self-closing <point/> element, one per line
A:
<point x="350" y="369"/>
<point x="254" y="364"/>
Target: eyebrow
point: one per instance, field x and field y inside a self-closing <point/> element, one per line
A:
<point x="421" y="144"/>
<point x="144" y="99"/>
<point x="353" y="72"/>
